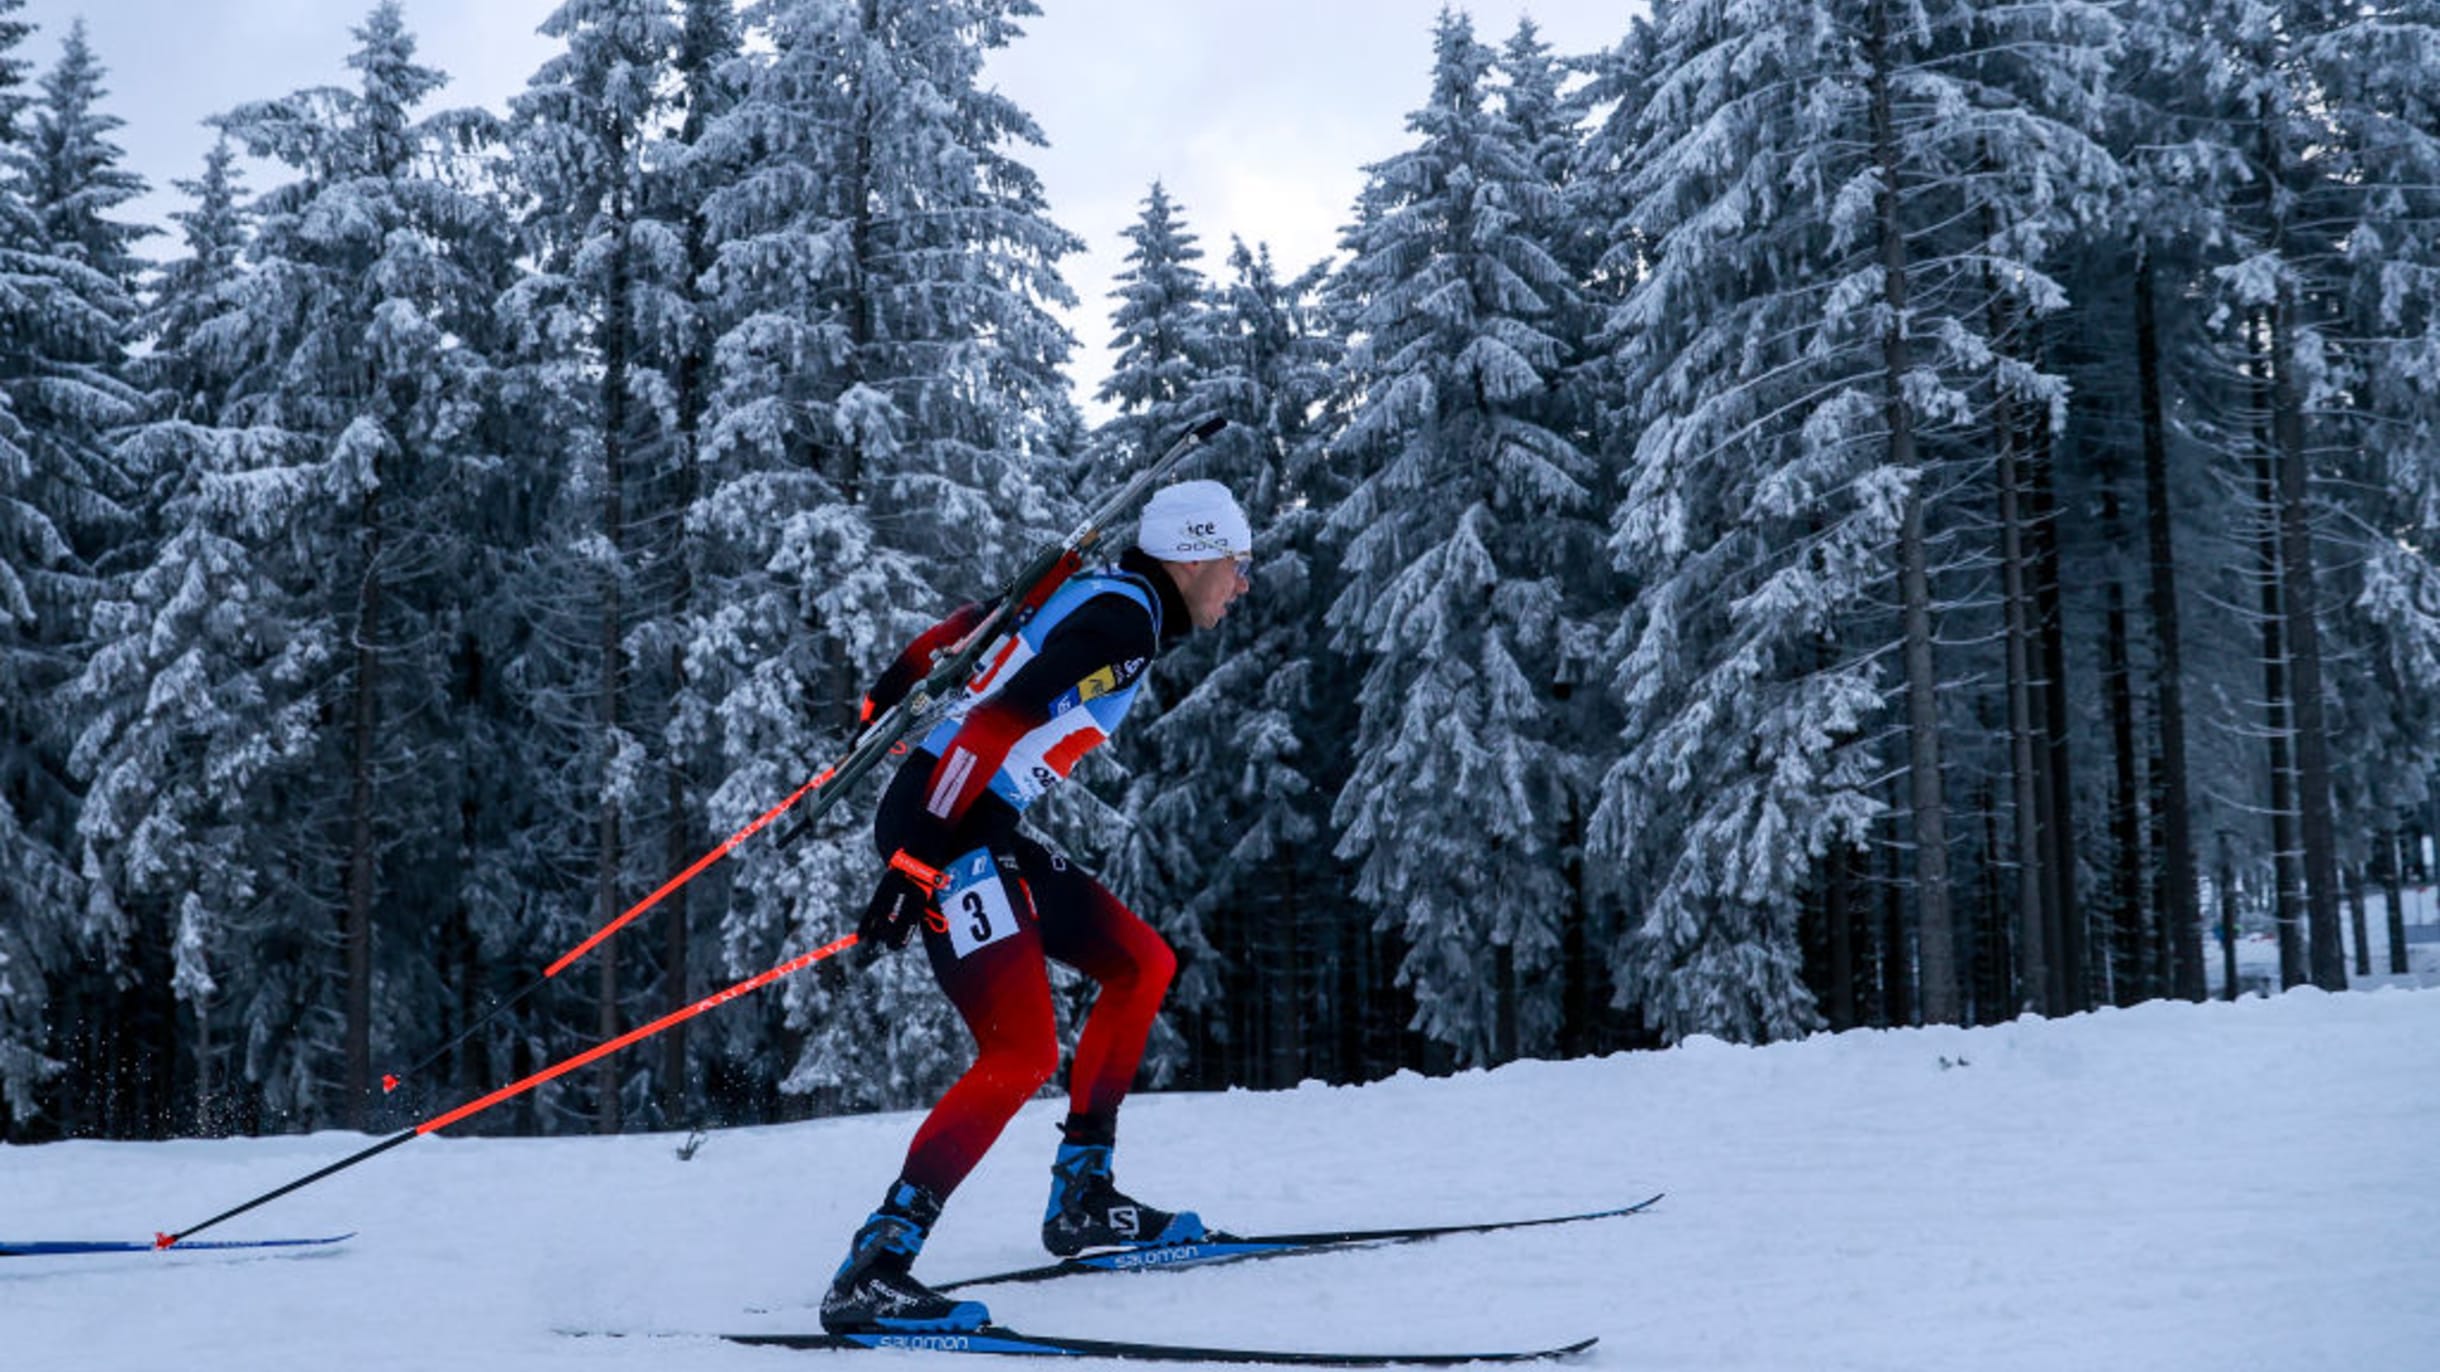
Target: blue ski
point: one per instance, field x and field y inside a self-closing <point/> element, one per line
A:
<point x="1236" y="1248"/>
<point x="10" y="1248"/>
<point x="995" y="1339"/>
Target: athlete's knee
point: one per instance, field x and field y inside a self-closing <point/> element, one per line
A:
<point x="1032" y="1062"/>
<point x="1144" y="979"/>
<point x="1156" y="967"/>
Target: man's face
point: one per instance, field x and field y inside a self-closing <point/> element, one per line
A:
<point x="1210" y="587"/>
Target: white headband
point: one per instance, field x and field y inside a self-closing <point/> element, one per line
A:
<point x="1194" y="521"/>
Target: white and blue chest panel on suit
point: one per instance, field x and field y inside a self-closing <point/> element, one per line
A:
<point x="1082" y="717"/>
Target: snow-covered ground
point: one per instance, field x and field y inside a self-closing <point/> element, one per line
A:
<point x="2219" y="1187"/>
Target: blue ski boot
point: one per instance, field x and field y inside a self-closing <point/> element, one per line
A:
<point x="1088" y="1211"/>
<point x="875" y="1290"/>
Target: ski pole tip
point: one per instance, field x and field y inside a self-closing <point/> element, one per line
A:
<point x="161" y="1240"/>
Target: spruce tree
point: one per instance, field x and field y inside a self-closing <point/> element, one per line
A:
<point x="1162" y="344"/>
<point x="600" y="327"/>
<point x="1829" y="253"/>
<point x="1467" y="540"/>
<point x="2378" y="499"/>
<point x="66" y="306"/>
<point x="365" y="324"/>
<point x="189" y="690"/>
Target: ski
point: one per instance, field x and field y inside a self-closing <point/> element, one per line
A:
<point x="996" y="1339"/>
<point x="1237" y="1248"/>
<point x="46" y="1248"/>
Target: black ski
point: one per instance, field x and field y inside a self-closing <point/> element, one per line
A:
<point x="995" y="1339"/>
<point x="1239" y="1248"/>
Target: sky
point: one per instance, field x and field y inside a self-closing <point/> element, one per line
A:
<point x="1258" y="116"/>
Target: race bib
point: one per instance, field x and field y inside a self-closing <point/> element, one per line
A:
<point x="975" y="903"/>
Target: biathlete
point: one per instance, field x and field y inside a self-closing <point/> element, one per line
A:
<point x="992" y="903"/>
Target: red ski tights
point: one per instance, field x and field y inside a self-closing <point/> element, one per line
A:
<point x="1002" y="988"/>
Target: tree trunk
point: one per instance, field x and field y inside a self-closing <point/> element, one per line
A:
<point x="1897" y="952"/>
<point x="2359" y="877"/>
<point x="208" y="1114"/>
<point x="1839" y="914"/>
<point x="676" y="850"/>
<point x="1936" y="931"/>
<point x="2064" y="920"/>
<point x="862" y="322"/>
<point x="2126" y="964"/>
<point x="2177" y="827"/>
<point x="1288" y="1006"/>
<point x="691" y="401"/>
<point x="2228" y="924"/>
<point x="2393" y="887"/>
<point x="357" y="936"/>
<point x="2301" y="601"/>
<point x="1576" y="1005"/>
<point x="1504" y="1036"/>
<point x="2287" y="876"/>
<point x="2032" y="906"/>
<point x="610" y="688"/>
<point x="1990" y="960"/>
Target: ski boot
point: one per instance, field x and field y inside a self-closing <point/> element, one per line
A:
<point x="875" y="1289"/>
<point x="1088" y="1211"/>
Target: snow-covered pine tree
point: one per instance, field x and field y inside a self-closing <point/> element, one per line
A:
<point x="696" y="166"/>
<point x="37" y="883"/>
<point x="364" y="326"/>
<point x="71" y="172"/>
<point x="2280" y="294"/>
<point x="1471" y="575"/>
<point x="1161" y="332"/>
<point x="1833" y="201"/>
<point x="601" y="326"/>
<point x="2303" y="301"/>
<point x="888" y="375"/>
<point x="2382" y="63"/>
<point x="2151" y="413"/>
<point x="192" y="688"/>
<point x="66" y="305"/>
<point x="2370" y="68"/>
<point x="1532" y="86"/>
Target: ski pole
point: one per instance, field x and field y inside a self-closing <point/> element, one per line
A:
<point x="518" y="1088"/>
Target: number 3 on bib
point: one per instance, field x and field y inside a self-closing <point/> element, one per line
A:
<point x="975" y="902"/>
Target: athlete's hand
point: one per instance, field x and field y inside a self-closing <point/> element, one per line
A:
<point x="896" y="909"/>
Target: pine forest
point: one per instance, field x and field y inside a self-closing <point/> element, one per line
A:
<point x="1822" y="514"/>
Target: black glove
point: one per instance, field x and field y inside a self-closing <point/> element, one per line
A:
<point x="915" y="662"/>
<point x="895" y="911"/>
